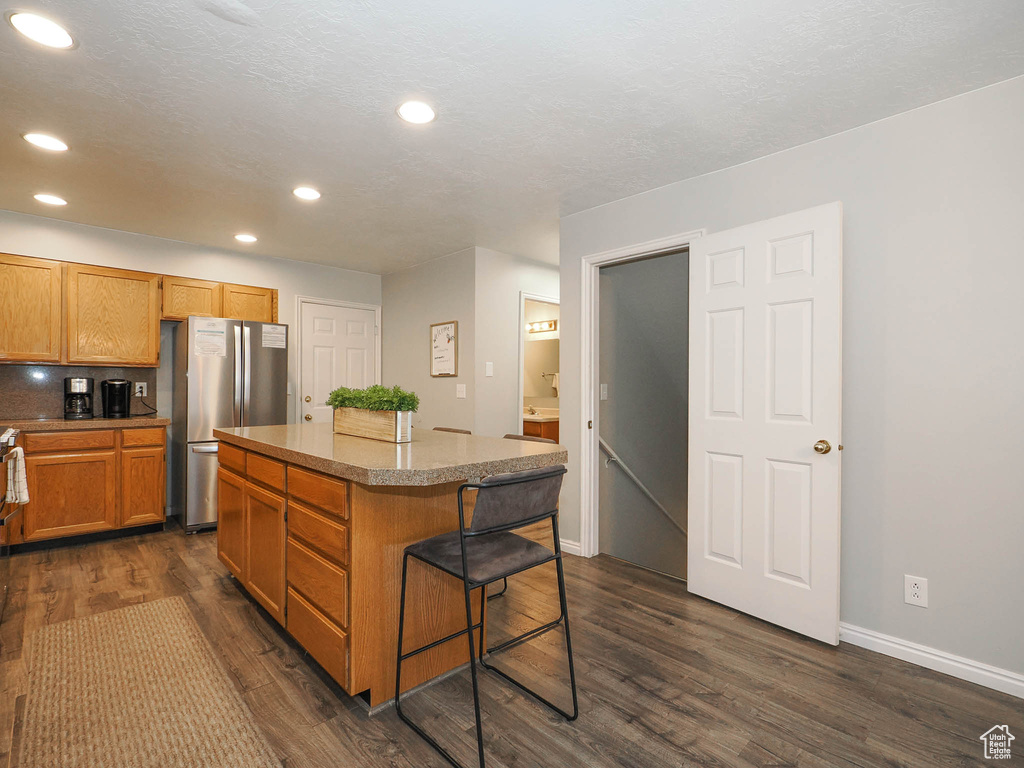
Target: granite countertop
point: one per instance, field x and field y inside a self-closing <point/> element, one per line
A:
<point x="71" y="425"/>
<point x="431" y="458"/>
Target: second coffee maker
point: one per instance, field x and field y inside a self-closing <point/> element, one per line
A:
<point x="117" y="398"/>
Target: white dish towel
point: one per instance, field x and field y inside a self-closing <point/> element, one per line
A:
<point x="554" y="382"/>
<point x="17" y="482"/>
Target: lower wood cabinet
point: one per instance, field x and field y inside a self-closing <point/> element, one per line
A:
<point x="264" y="548"/>
<point x="231" y="522"/>
<point x="545" y="429"/>
<point x="143" y="486"/>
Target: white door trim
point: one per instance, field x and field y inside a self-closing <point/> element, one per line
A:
<point x="523" y="297"/>
<point x="299" y="302"/>
<point x="589" y="337"/>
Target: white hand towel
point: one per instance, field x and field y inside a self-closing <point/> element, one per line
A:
<point x="554" y="382"/>
<point x="17" y="482"/>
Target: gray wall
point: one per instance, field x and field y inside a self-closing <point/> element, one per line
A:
<point x="435" y="292"/>
<point x="643" y="362"/>
<point x="933" y="206"/>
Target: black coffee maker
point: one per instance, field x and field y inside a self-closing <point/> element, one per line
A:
<point x="78" y="392"/>
<point x="117" y="398"/>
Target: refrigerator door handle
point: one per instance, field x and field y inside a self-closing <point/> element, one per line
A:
<point x="237" y="409"/>
<point x="205" y="448"/>
<point x="246" y="373"/>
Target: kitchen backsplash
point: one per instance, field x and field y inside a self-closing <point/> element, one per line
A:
<point x="37" y="391"/>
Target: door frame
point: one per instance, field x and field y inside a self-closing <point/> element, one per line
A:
<point x="302" y="300"/>
<point x="590" y="453"/>
<point x="525" y="296"/>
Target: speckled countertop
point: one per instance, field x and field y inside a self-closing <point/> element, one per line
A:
<point x="69" y="425"/>
<point x="431" y="458"/>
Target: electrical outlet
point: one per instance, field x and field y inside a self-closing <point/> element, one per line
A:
<point x="140" y="389"/>
<point x="915" y="591"/>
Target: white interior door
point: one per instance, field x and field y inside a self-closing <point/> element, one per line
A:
<point x="339" y="348"/>
<point x="765" y="375"/>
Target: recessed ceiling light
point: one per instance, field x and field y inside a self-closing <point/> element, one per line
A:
<point x="42" y="30"/>
<point x="44" y="141"/>
<point x="50" y="199"/>
<point x="306" y="193"/>
<point x="244" y="238"/>
<point x="417" y="112"/>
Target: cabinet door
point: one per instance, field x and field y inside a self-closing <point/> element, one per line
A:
<point x="244" y="302"/>
<point x="264" y="548"/>
<point x="184" y="297"/>
<point x="113" y="316"/>
<point x="70" y="493"/>
<point x="532" y="428"/>
<point x="30" y="310"/>
<point x="142" y="486"/>
<point x="549" y="429"/>
<point x="231" y="522"/>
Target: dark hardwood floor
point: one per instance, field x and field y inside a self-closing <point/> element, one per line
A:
<point x="665" y="679"/>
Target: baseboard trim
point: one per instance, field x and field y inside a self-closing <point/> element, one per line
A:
<point x="571" y="547"/>
<point x="931" y="658"/>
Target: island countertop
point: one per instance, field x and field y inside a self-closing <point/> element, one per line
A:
<point x="432" y="458"/>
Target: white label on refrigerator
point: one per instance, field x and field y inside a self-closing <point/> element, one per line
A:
<point x="274" y="336"/>
<point x="211" y="338"/>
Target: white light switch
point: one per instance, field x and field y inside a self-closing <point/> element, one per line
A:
<point x="488" y="369"/>
<point x="604" y="391"/>
<point x="460" y="391"/>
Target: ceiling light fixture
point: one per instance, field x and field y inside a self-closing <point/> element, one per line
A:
<point x="42" y="30"/>
<point x="306" y="193"/>
<point x="44" y="141"/>
<point x="244" y="238"/>
<point x="50" y="199"/>
<point x="416" y="112"/>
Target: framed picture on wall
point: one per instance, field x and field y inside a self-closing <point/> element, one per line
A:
<point x="444" y="349"/>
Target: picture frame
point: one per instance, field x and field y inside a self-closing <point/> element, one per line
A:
<point x="444" y="349"/>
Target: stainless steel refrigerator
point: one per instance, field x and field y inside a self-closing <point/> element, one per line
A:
<point x="227" y="373"/>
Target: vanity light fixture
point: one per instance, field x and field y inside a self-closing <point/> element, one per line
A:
<point x="40" y="29"/>
<point x="416" y="112"/>
<point x="306" y="193"/>
<point x="50" y="199"/>
<point x="245" y="238"/>
<point x="542" y="326"/>
<point x="45" y="141"/>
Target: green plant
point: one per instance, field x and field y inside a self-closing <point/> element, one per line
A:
<point x="374" y="398"/>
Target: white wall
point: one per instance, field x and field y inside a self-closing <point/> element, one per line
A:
<point x="933" y="385"/>
<point x="434" y="292"/>
<point x="55" y="239"/>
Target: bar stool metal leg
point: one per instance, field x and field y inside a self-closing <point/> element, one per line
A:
<point x="504" y="589"/>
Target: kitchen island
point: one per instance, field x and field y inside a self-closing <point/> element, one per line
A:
<point x="313" y="525"/>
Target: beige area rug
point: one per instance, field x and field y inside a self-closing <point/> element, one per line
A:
<point x="138" y="687"/>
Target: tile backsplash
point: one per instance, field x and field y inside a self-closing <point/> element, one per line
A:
<point x="37" y="391"/>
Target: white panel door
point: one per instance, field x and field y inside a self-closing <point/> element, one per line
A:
<point x="765" y="375"/>
<point x="339" y="348"/>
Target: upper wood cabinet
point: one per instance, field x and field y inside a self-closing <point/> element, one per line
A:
<point x="184" y="297"/>
<point x="245" y="302"/>
<point x="30" y="310"/>
<point x="113" y="316"/>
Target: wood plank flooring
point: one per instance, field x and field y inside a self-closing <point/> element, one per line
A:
<point x="665" y="679"/>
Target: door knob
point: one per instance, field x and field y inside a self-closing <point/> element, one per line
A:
<point x="309" y="399"/>
<point x="822" y="447"/>
<point x="309" y="417"/>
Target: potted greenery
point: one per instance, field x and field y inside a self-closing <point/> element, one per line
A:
<point x="377" y="412"/>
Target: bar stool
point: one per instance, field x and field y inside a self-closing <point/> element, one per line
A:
<point x="529" y="438"/>
<point x="482" y="554"/>
<point x="453" y="429"/>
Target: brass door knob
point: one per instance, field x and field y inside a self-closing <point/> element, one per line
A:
<point x="822" y="447"/>
<point x="309" y="417"/>
<point x="309" y="399"/>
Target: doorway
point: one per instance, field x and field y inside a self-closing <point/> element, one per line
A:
<point x="642" y="411"/>
<point x="339" y="346"/>
<point x="539" y="355"/>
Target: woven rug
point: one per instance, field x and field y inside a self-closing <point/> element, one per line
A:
<point x="138" y="687"/>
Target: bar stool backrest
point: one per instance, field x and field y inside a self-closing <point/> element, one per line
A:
<point x="456" y="430"/>
<point x="528" y="438"/>
<point x="514" y="499"/>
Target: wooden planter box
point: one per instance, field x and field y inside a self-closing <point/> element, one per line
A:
<point x="392" y="426"/>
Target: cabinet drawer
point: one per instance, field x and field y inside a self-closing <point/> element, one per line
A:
<point x="38" y="442"/>
<point x="264" y="470"/>
<point x="231" y="458"/>
<point x="321" y="491"/>
<point x="319" y="532"/>
<point x="153" y="436"/>
<point x="319" y="580"/>
<point x="326" y="642"/>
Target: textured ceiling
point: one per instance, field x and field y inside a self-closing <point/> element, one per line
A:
<point x="194" y="119"/>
